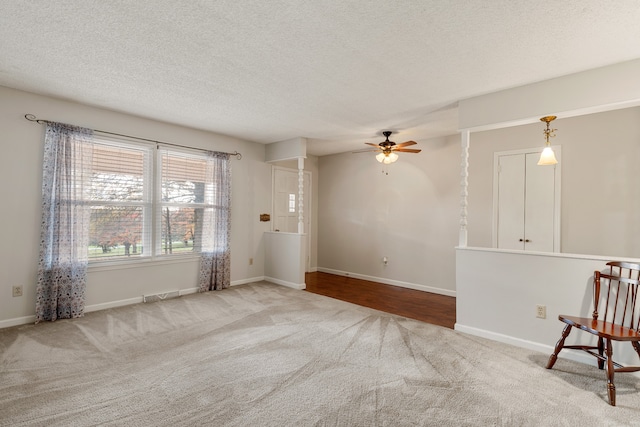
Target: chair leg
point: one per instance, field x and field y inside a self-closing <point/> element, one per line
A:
<point x="601" y="351"/>
<point x="559" y="346"/>
<point x="636" y="347"/>
<point x="611" y="388"/>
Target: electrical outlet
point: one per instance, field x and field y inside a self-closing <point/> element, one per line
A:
<point x="250" y="261"/>
<point x="541" y="311"/>
<point x="17" y="291"/>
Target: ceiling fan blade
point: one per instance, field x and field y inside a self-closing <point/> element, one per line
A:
<point x="366" y="150"/>
<point x="372" y="144"/>
<point x="406" y="144"/>
<point x="407" y="150"/>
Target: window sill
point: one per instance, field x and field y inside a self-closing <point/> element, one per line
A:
<point x="142" y="263"/>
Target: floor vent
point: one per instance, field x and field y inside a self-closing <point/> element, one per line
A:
<point x="160" y="297"/>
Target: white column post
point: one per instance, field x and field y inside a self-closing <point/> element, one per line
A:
<point x="464" y="187"/>
<point x="300" y="195"/>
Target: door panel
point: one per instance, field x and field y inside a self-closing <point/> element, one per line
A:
<point x="286" y="201"/>
<point x="539" y="205"/>
<point x="285" y="204"/>
<point x="511" y="202"/>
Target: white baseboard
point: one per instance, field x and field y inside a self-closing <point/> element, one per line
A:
<point x="576" y="356"/>
<point x="113" y="304"/>
<point x="249" y="280"/>
<point x="25" y="320"/>
<point x="401" y="284"/>
<point x="17" y="321"/>
<point x="87" y="309"/>
<point x="285" y="283"/>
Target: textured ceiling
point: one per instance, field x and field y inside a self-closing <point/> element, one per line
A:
<point x="336" y="72"/>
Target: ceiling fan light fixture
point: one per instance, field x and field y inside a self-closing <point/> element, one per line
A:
<point x="387" y="151"/>
<point x="386" y="157"/>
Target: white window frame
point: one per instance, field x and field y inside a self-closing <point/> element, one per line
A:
<point x="152" y="205"/>
<point x="146" y="203"/>
<point x="159" y="205"/>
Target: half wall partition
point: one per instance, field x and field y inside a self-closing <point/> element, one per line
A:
<point x="599" y="132"/>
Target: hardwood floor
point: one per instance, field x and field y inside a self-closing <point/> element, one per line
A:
<point x="427" y="307"/>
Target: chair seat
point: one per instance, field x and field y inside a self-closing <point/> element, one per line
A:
<point x="601" y="328"/>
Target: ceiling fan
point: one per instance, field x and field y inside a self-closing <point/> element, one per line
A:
<point x="387" y="149"/>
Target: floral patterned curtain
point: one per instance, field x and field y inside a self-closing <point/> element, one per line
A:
<point x="216" y="257"/>
<point x="64" y="232"/>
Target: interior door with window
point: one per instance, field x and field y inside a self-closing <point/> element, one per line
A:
<point x="285" y="203"/>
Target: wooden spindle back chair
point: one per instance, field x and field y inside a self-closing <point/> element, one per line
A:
<point x="616" y="317"/>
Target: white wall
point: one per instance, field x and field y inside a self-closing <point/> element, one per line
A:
<point x="21" y="142"/>
<point x="311" y="163"/>
<point x="284" y="150"/>
<point x="410" y="216"/>
<point x="600" y="191"/>
<point x="600" y="89"/>
<point x="498" y="292"/>
<point x="285" y="255"/>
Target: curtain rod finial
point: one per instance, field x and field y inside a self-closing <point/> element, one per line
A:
<point x="34" y="119"/>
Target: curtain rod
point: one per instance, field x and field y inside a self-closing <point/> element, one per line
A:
<point x="33" y="118"/>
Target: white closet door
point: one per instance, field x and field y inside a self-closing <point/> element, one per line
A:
<point x="526" y="202"/>
<point x="511" y="199"/>
<point x="539" y="205"/>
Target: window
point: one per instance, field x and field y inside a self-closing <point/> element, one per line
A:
<point x="185" y="201"/>
<point x="141" y="207"/>
<point x="120" y="200"/>
<point x="292" y="203"/>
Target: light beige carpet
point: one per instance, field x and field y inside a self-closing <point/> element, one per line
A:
<point x="266" y="355"/>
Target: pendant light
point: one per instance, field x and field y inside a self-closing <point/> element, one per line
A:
<point x="548" y="157"/>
